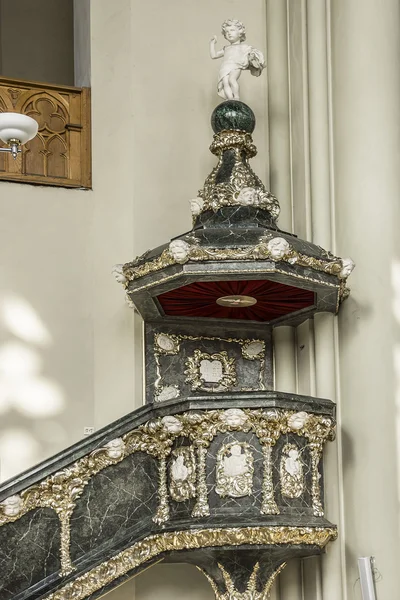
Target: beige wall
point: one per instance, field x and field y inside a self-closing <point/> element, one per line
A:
<point x="37" y="40"/>
<point x="366" y="101"/>
<point x="46" y="329"/>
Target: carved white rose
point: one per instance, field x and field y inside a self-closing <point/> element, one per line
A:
<point x="298" y="420"/>
<point x="234" y="417"/>
<point x="196" y="206"/>
<point x="179" y="250"/>
<point x="271" y="415"/>
<point x="12" y="506"/>
<point x="118" y="273"/>
<point x="171" y="424"/>
<point x="278" y="247"/>
<point x="115" y="448"/>
<point x="347" y="267"/>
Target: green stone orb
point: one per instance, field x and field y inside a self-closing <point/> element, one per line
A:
<point x="233" y="115"/>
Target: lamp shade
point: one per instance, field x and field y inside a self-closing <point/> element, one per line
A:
<point x="14" y="126"/>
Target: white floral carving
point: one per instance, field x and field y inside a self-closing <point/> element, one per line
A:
<point x="118" y="273"/>
<point x="278" y="247"/>
<point x="298" y="420"/>
<point x="196" y="206"/>
<point x="115" y="448"/>
<point x="171" y="424"/>
<point x="234" y="417"/>
<point x="272" y="415"/>
<point x="347" y="267"/>
<point x="12" y="505"/>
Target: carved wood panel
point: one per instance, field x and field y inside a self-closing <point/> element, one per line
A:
<point x="60" y="154"/>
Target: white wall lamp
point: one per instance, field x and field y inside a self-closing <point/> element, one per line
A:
<point x="366" y="577"/>
<point x="16" y="130"/>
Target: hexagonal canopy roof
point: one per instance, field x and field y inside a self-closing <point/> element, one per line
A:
<point x="235" y="263"/>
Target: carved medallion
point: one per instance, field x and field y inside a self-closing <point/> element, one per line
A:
<point x="291" y="472"/>
<point x="168" y="392"/>
<point x="210" y="372"/>
<point x="182" y="474"/>
<point x="234" y="470"/>
<point x="253" y="349"/>
<point x="166" y="343"/>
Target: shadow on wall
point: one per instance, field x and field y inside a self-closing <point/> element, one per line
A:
<point x="172" y="582"/>
<point x="27" y="398"/>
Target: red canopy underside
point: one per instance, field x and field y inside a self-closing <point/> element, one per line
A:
<point x="274" y="300"/>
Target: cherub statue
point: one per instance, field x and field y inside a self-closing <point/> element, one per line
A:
<point x="235" y="464"/>
<point x="179" y="470"/>
<point x="236" y="57"/>
<point x="278" y="247"/>
<point x="179" y="250"/>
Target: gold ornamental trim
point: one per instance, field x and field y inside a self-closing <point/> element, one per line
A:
<point x="156" y="437"/>
<point x="233" y="139"/>
<point x="332" y="265"/>
<point x="251" y="591"/>
<point x="243" y="187"/>
<point x="154" y="545"/>
<point x="61" y="490"/>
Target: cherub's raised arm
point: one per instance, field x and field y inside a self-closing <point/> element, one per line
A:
<point x="213" y="52"/>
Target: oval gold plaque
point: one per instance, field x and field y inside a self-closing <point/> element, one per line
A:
<point x="236" y="301"/>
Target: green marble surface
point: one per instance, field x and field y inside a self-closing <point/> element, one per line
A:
<point x="233" y="115"/>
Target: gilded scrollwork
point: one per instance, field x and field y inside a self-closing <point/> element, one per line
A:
<point x="162" y="513"/>
<point x="216" y="194"/>
<point x="182" y="474"/>
<point x="268" y="505"/>
<point x="201" y="508"/>
<point x="316" y="454"/>
<point x="230" y="139"/>
<point x="251" y="349"/>
<point x="156" y="437"/>
<point x="234" y="470"/>
<point x="154" y="545"/>
<point x="251" y="592"/>
<point x="263" y="250"/>
<point x="210" y="372"/>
